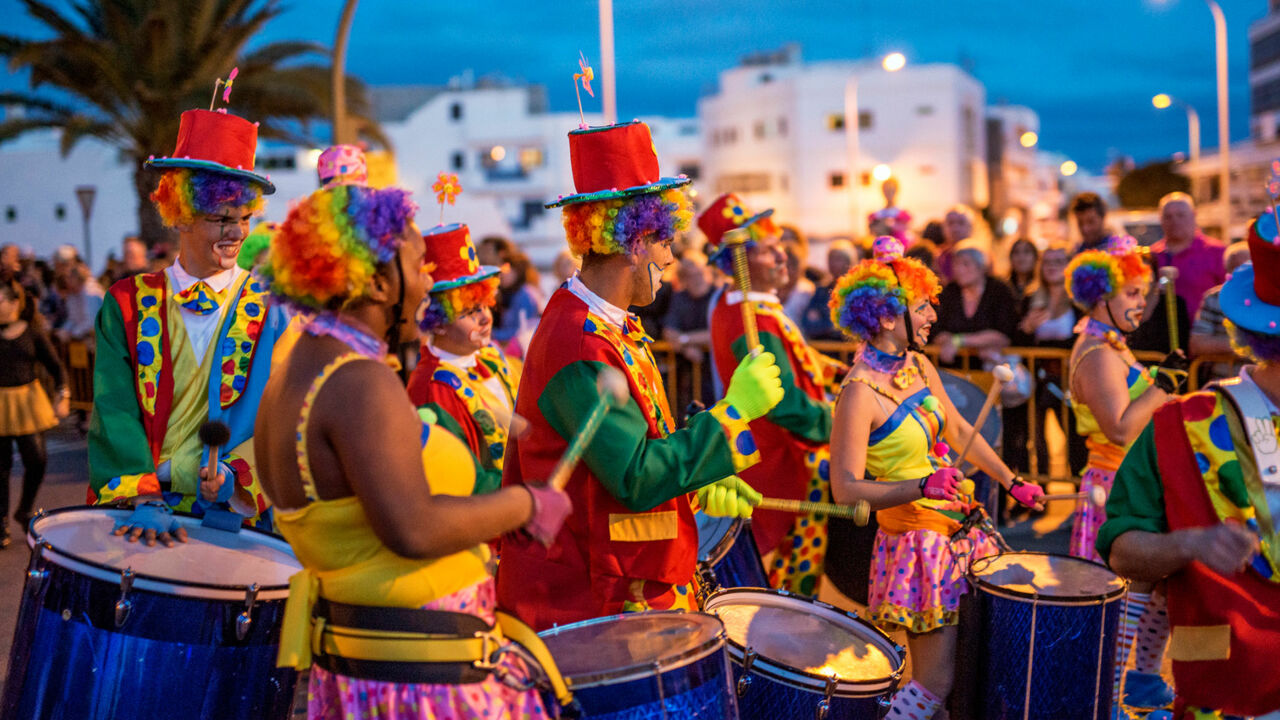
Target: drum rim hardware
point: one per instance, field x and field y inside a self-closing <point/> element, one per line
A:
<point x="245" y="619"/>
<point x="1040" y="598"/>
<point x="645" y="668"/>
<point x="173" y="587"/>
<point x="37" y="568"/>
<point x="815" y="682"/>
<point x="124" y="606"/>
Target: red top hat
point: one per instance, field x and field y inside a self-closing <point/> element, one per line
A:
<point x="1251" y="296"/>
<point x="216" y="142"/>
<point x="614" y="161"/>
<point x="725" y="214"/>
<point x="454" y="255"/>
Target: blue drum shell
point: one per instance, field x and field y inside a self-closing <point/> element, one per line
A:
<point x="70" y="661"/>
<point x="728" y="548"/>
<point x="765" y="698"/>
<point x="700" y="689"/>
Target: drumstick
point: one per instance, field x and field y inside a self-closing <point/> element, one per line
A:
<point x="1168" y="275"/>
<point x="859" y="512"/>
<point x="737" y="240"/>
<point x="1096" y="496"/>
<point x="1001" y="374"/>
<point x="614" y="391"/>
<point x="214" y="434"/>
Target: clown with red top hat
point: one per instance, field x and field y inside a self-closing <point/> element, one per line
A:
<point x="797" y="431"/>
<point x="186" y="345"/>
<point x="463" y="382"/>
<point x="631" y="542"/>
<point x="1195" y="501"/>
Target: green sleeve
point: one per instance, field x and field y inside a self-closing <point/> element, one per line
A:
<point x="1136" y="501"/>
<point x="488" y="477"/>
<point x="798" y="413"/>
<point x="640" y="472"/>
<point x="118" y="447"/>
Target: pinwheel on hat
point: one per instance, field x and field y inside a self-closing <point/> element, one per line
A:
<point x="461" y="282"/>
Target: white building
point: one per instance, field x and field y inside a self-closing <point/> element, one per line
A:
<point x="510" y="154"/>
<point x="1025" y="193"/>
<point x="807" y="139"/>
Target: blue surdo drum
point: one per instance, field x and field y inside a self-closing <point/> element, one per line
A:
<point x="1045" y="636"/>
<point x="727" y="554"/>
<point x="659" y="665"/>
<point x="800" y="658"/>
<point x="114" y="630"/>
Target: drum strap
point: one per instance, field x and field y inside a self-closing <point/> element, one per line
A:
<point x="421" y="646"/>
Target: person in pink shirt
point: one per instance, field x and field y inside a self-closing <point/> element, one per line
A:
<point x="1197" y="257"/>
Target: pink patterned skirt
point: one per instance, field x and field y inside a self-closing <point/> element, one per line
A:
<point x="1089" y="517"/>
<point x="918" y="576"/>
<point x="337" y="697"/>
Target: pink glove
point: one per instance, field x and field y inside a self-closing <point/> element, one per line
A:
<point x="550" y="508"/>
<point x="1028" y="494"/>
<point x="943" y="484"/>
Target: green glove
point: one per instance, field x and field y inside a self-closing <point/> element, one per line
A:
<point x="730" y="497"/>
<point x="755" y="388"/>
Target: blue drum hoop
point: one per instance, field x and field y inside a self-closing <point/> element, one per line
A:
<point x="1039" y="598"/>
<point x="640" y="670"/>
<point x="730" y="530"/>
<point x="814" y="682"/>
<point x="45" y="551"/>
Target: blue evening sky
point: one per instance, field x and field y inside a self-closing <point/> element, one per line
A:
<point x="1088" y="67"/>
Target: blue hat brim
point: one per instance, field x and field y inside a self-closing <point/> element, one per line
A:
<point x="163" y="163"/>
<point x="715" y="256"/>
<point x="486" y="272"/>
<point x="663" y="184"/>
<point x="1242" y="306"/>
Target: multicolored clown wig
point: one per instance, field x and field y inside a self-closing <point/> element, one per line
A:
<point x="445" y="306"/>
<point x="255" y="243"/>
<point x="613" y="227"/>
<point x="885" y="286"/>
<point x="332" y="243"/>
<point x="1096" y="276"/>
<point x="184" y="195"/>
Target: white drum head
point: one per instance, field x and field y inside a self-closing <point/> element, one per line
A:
<point x="1052" y="577"/>
<point x="212" y="563"/>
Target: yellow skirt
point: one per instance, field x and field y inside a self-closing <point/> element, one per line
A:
<point x="25" y="410"/>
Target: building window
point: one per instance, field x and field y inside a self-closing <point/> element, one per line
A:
<point x="836" y="179"/>
<point x="11" y="214"/>
<point x="866" y="120"/>
<point x="531" y="157"/>
<point x="865" y="179"/>
<point x="765" y="78"/>
<point x="835" y="121"/>
<point x="459" y="160"/>
<point x="690" y="170"/>
<point x="281" y="162"/>
<point x="760" y="130"/>
<point x="455" y="112"/>
<point x="782" y="127"/>
<point x="529" y="210"/>
<point x="60" y="211"/>
<point x="924" y="110"/>
<point x="743" y="183"/>
<point x="730" y="136"/>
<point x="687" y="130"/>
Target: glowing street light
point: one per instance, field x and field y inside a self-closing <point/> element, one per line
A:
<point x="497" y="153"/>
<point x="894" y="61"/>
<point x="881" y="172"/>
<point x="1028" y="139"/>
<point x="1161" y="101"/>
<point x="1068" y="168"/>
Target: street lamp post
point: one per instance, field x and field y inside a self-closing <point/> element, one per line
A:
<point x="341" y="131"/>
<point x="1224" y="129"/>
<point x="1162" y="101"/>
<point x="607" y="74"/>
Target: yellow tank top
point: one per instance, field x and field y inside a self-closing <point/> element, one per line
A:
<point x="1104" y="454"/>
<point x="342" y="555"/>
<point x="899" y="450"/>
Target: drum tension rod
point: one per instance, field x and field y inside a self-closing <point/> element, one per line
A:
<point x="744" y="682"/>
<point x="124" y="605"/>
<point x="245" y="619"/>
<point x="36" y="573"/>
<point x="823" y="708"/>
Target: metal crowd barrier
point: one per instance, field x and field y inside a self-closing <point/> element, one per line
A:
<point x="970" y="368"/>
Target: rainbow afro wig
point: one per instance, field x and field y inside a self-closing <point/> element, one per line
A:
<point x="881" y="287"/>
<point x="332" y="243"/>
<point x="1095" y="276"/>
<point x="613" y="227"/>
<point x="184" y="195"/>
<point x="445" y="306"/>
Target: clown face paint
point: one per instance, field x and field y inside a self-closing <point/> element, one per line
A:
<point x="1128" y="306"/>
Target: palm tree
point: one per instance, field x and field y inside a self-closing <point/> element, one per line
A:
<point x="129" y="68"/>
